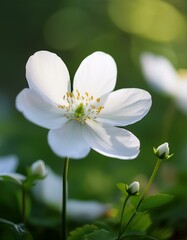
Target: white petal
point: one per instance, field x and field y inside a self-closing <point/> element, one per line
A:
<point x="68" y="141"/>
<point x="159" y="72"/>
<point x="40" y="110"/>
<point x="47" y="73"/>
<point x="181" y="95"/>
<point x="111" y="141"/>
<point x="125" y="106"/>
<point x="8" y="163"/>
<point x="96" y="75"/>
<point x="42" y="190"/>
<point x="78" y="210"/>
<point x="38" y="168"/>
<point x="85" y="210"/>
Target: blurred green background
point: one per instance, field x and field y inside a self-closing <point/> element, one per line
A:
<point x="73" y="29"/>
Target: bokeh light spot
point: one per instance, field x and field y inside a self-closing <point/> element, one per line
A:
<point x="152" y="19"/>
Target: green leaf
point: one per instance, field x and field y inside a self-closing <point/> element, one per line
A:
<point x="12" y="231"/>
<point x="141" y="222"/>
<point x="13" y="177"/>
<point x="155" y="201"/>
<point x="82" y="233"/>
<point x="162" y="232"/>
<point x="101" y="234"/>
<point x="122" y="187"/>
<point x="136" y="235"/>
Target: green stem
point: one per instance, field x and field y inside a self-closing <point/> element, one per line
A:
<point x="23" y="205"/>
<point x="122" y="214"/>
<point x="64" y="198"/>
<point x="143" y="195"/>
<point x="155" y="170"/>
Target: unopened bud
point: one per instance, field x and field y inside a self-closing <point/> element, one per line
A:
<point x="162" y="152"/>
<point x="38" y="168"/>
<point x="133" y="188"/>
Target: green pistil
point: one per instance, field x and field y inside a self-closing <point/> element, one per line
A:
<point x="79" y="111"/>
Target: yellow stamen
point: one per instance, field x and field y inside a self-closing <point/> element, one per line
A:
<point x="182" y="73"/>
<point x="80" y="107"/>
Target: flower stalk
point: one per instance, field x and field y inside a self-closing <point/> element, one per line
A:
<point x="132" y="190"/>
<point x="122" y="214"/>
<point x="23" y="205"/>
<point x="64" y="198"/>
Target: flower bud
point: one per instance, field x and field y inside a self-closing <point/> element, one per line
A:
<point x="38" y="168"/>
<point x="133" y="188"/>
<point x="162" y="152"/>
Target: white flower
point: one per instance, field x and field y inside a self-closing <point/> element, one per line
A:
<point x="86" y="210"/>
<point x="86" y="117"/>
<point x="47" y="192"/>
<point x="161" y="74"/>
<point x="8" y="166"/>
<point x="133" y="188"/>
<point x="38" y="168"/>
<point x="49" y="189"/>
<point x="8" y="163"/>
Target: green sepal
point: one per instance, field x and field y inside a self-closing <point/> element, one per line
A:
<point x="31" y="179"/>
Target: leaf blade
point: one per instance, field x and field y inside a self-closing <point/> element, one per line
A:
<point x="155" y="201"/>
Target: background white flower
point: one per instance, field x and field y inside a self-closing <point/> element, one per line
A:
<point x="161" y="75"/>
<point x="86" y="117"/>
<point x="8" y="163"/>
<point x="76" y="209"/>
<point x="8" y="167"/>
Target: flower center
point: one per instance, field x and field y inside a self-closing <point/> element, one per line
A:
<point x="79" y="111"/>
<point x="81" y="107"/>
